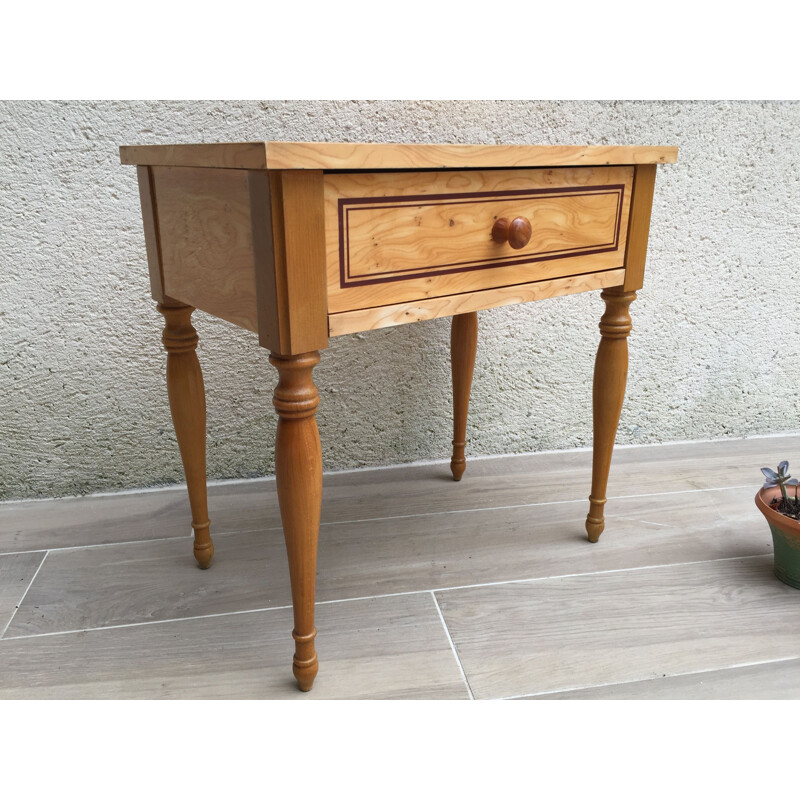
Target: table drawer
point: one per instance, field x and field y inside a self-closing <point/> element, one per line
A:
<point x="403" y="236"/>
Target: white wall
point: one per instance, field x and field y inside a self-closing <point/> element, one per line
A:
<point x="82" y="399"/>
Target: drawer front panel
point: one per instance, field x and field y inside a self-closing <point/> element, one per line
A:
<point x="396" y="237"/>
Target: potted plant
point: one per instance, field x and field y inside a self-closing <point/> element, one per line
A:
<point x="783" y="515"/>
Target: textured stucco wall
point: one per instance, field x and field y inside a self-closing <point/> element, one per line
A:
<point x="82" y="397"/>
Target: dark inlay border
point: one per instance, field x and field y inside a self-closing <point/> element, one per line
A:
<point x="346" y="205"/>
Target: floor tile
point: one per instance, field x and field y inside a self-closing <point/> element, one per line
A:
<point x="128" y="583"/>
<point x="368" y="494"/>
<point x="145" y="581"/>
<point x="16" y="573"/>
<point x="660" y="624"/>
<point x="777" y="680"/>
<point x="382" y="648"/>
<point x="575" y="632"/>
<point x="507" y="481"/>
<point x="77" y="521"/>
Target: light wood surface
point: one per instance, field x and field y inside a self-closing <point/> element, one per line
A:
<point x="369" y="319"/>
<point x="225" y="155"/>
<point x="288" y="231"/>
<point x="296" y="241"/>
<point x="404" y="237"/>
<point x="586" y="630"/>
<point x="152" y="245"/>
<point x="187" y="402"/>
<point x="639" y="227"/>
<point x="390" y="648"/>
<point x="205" y="241"/>
<point x="298" y="476"/>
<point x="463" y="346"/>
<point x="345" y="155"/>
<point x="610" y="378"/>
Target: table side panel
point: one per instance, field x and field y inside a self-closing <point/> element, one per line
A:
<point x="150" y="224"/>
<point x="406" y="237"/>
<point x="206" y="243"/>
<point x="639" y="227"/>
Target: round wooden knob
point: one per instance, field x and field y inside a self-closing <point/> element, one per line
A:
<point x="517" y="232"/>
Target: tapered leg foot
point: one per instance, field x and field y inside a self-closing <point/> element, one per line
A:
<point x="463" y="345"/>
<point x="595" y="521"/>
<point x="610" y="376"/>
<point x="298" y="473"/>
<point x="187" y="402"/>
<point x="305" y="669"/>
<point x="203" y="546"/>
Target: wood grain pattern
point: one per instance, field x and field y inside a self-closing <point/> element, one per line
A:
<point x="516" y="232"/>
<point x="187" y="403"/>
<point x="369" y="319"/>
<point x="152" y="245"/>
<point x="206" y="241"/>
<point x="608" y="394"/>
<point x="400" y="237"/>
<point x="346" y="155"/>
<point x="581" y="631"/>
<point x="639" y="229"/>
<point x="228" y="155"/>
<point x="463" y="346"/>
<point x="298" y="476"/>
<point x="288" y="235"/>
<point x="391" y="238"/>
<point x="389" y="648"/>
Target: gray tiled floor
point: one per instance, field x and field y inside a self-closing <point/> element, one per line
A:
<point x="427" y="588"/>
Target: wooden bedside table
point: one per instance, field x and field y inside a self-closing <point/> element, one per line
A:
<point x="298" y="242"/>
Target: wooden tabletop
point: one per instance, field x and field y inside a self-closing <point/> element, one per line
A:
<point x="342" y="155"/>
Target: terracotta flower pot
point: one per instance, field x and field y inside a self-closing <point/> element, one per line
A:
<point x="785" y="537"/>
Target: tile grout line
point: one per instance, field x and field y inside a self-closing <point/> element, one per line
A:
<point x="535" y="505"/>
<point x="742" y="665"/>
<point x="39" y="550"/>
<point x="146" y="622"/>
<point x="24" y="595"/>
<point x="433" y="462"/>
<point x="377" y="596"/>
<point x="112" y="544"/>
<point x="452" y="646"/>
<point x="638" y="521"/>
<point x="399" y="516"/>
<point x="597" y="572"/>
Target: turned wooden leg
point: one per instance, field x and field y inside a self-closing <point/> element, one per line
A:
<point x="187" y="402"/>
<point x="463" y="344"/>
<point x="298" y="474"/>
<point x="610" y="376"/>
